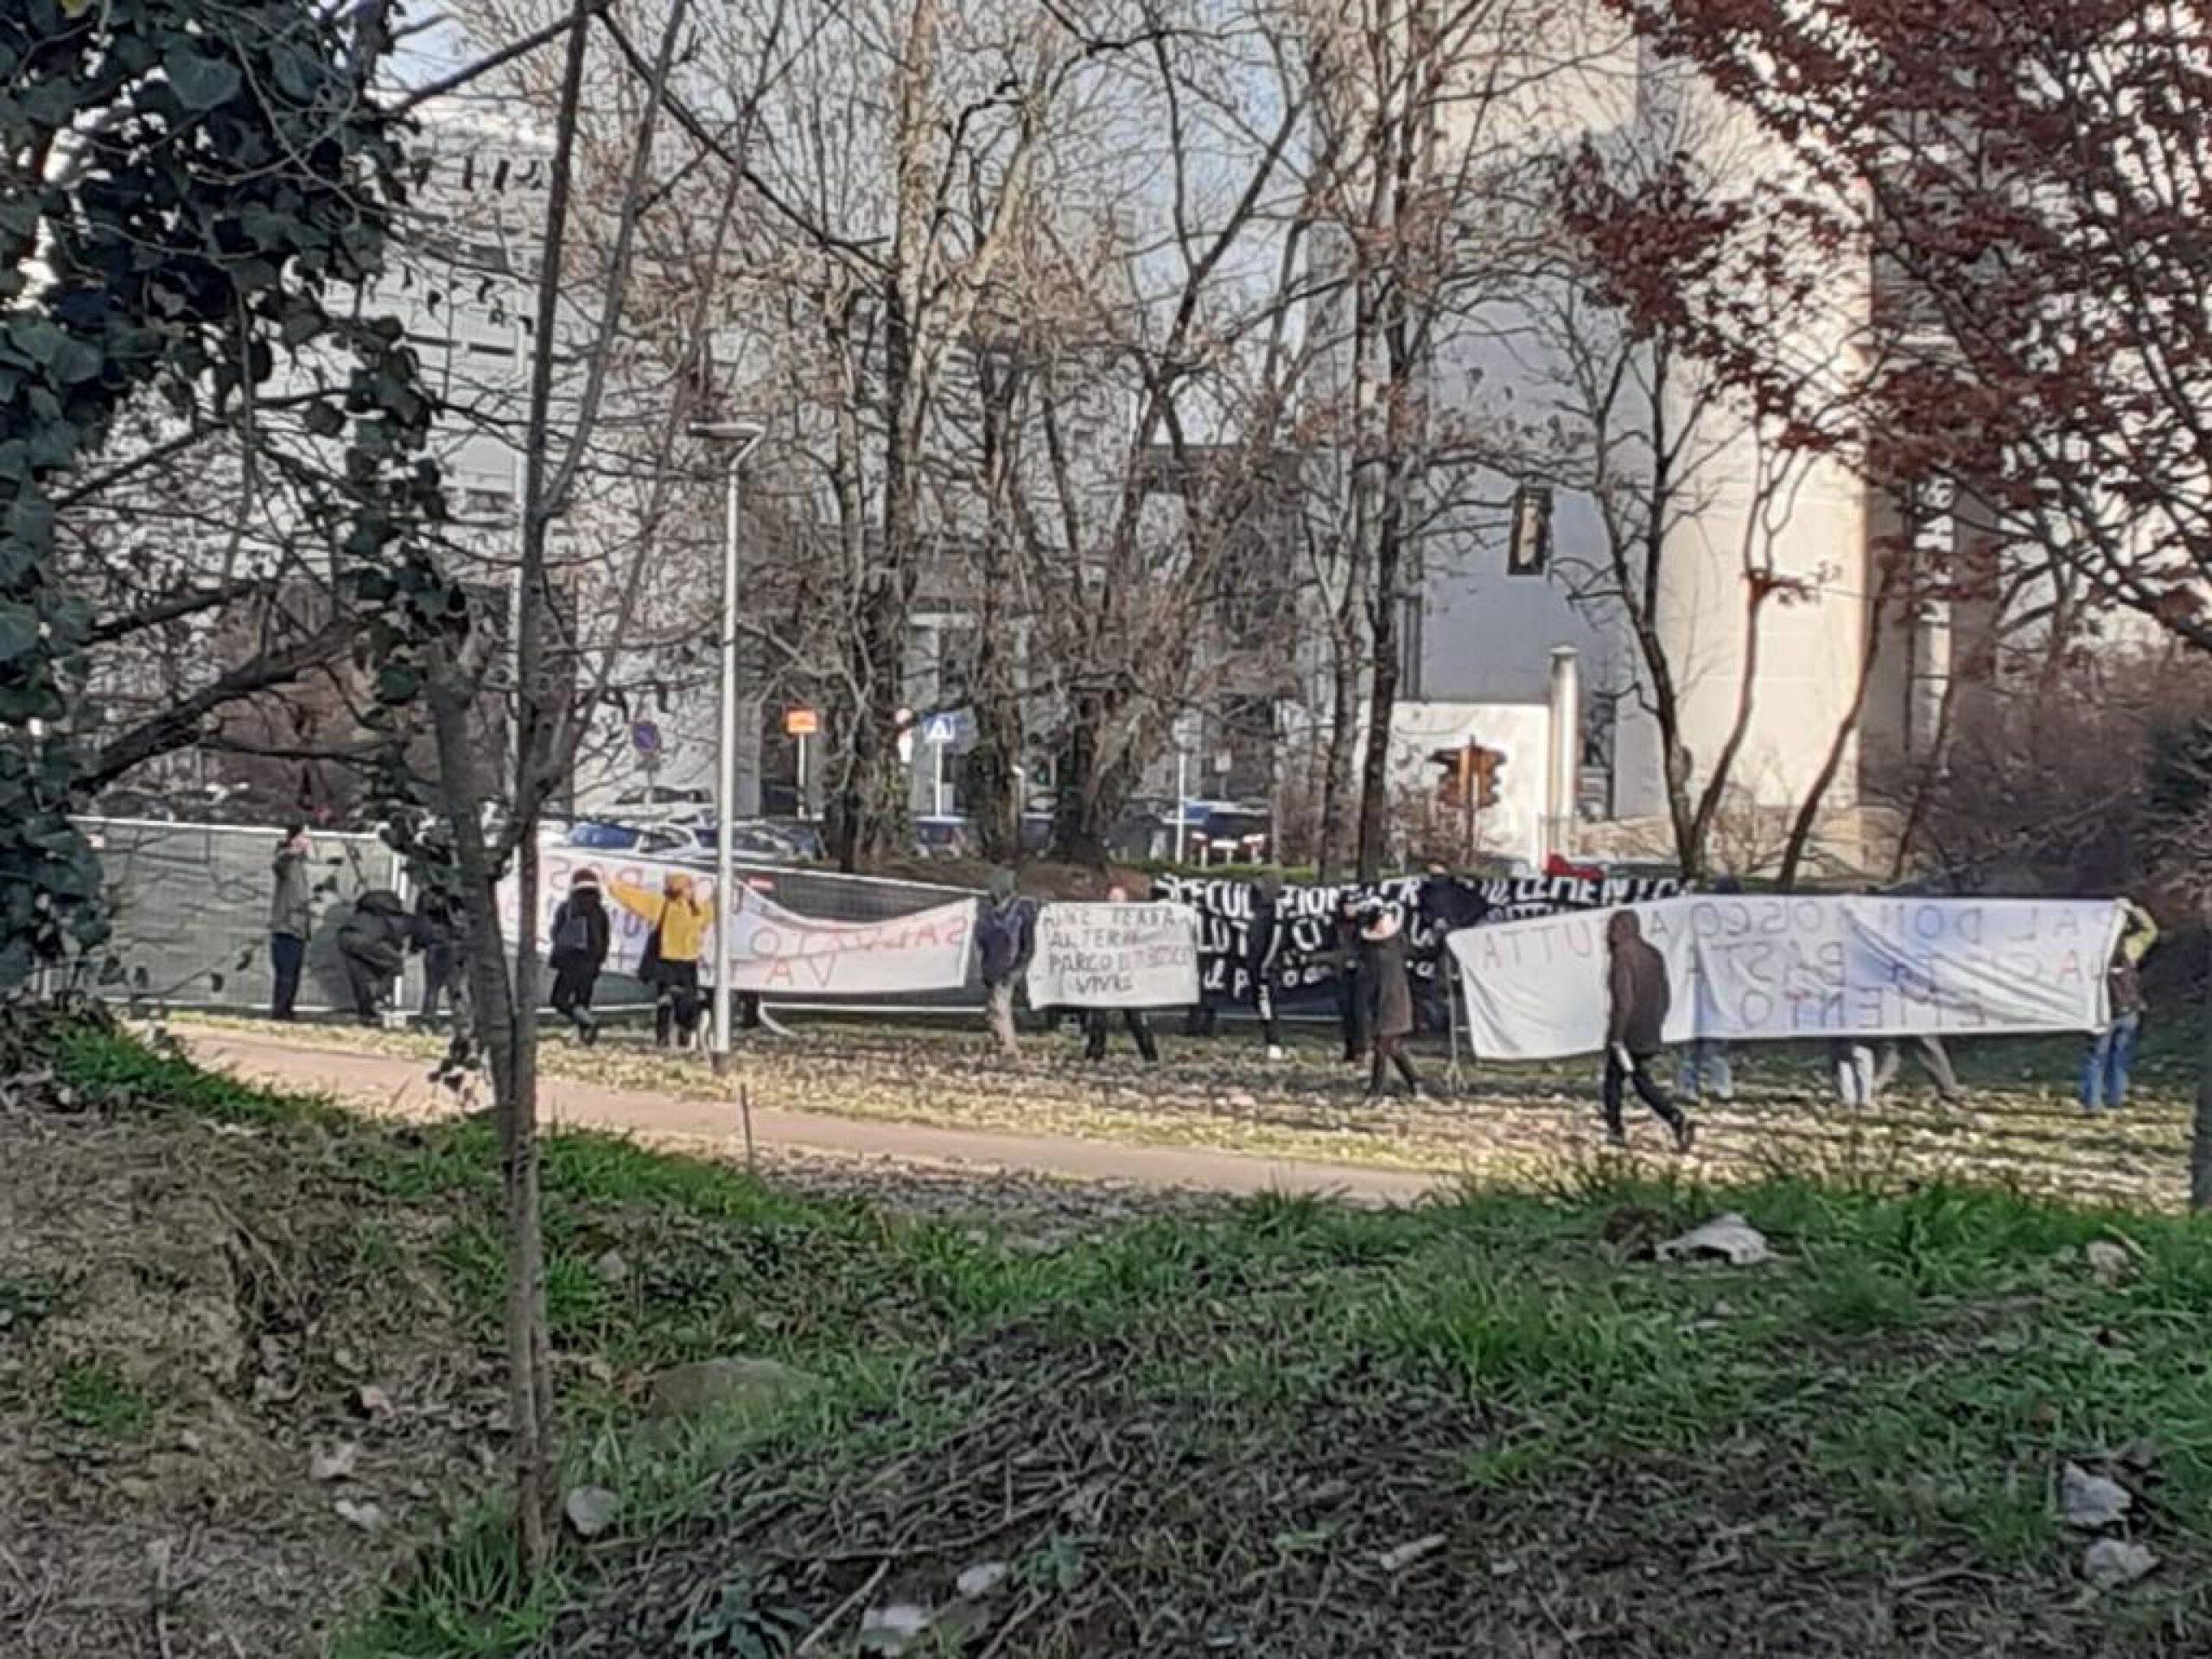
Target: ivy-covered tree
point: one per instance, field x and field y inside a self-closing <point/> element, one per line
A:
<point x="192" y="192"/>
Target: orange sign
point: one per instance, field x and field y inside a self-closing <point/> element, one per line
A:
<point x="801" y="722"/>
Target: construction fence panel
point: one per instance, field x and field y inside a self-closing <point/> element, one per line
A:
<point x="189" y="905"/>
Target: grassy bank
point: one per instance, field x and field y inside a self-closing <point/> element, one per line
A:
<point x="1495" y="1425"/>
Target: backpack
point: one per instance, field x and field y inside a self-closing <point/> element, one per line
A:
<point x="998" y="939"/>
<point x="571" y="932"/>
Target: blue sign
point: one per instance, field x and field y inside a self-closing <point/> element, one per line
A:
<point x="644" y="737"/>
<point x="949" y="729"/>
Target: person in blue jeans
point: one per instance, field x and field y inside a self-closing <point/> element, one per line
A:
<point x="2111" y="1052"/>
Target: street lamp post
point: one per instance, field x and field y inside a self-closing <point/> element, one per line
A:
<point x="738" y="439"/>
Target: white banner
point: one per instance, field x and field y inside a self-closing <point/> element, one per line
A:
<point x="1751" y="968"/>
<point x="773" y="950"/>
<point x="1114" y="956"/>
<point x="779" y="952"/>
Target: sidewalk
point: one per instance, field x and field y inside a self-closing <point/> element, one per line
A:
<point x="399" y="1086"/>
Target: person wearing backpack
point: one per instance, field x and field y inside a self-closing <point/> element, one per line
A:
<point x="1006" y="938"/>
<point x="580" y="940"/>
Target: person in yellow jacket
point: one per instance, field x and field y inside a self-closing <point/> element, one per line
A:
<point x="679" y="919"/>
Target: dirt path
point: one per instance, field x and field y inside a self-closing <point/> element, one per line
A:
<point x="399" y="1086"/>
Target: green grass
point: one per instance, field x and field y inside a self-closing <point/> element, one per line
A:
<point x="1888" y="1400"/>
<point x="95" y="1396"/>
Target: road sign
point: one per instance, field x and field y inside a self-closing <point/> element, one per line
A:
<point x="644" y="737"/>
<point x="942" y="728"/>
<point x="801" y="722"/>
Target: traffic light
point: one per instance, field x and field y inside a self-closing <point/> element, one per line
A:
<point x="1485" y="764"/>
<point x="1451" y="787"/>
<point x="1529" y="548"/>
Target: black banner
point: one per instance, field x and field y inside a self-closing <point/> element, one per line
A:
<point x="1304" y="970"/>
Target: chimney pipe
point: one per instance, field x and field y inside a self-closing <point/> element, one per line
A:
<point x="1563" y="774"/>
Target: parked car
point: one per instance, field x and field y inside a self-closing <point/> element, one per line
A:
<point x="689" y="841"/>
<point x="804" y="835"/>
<point x="944" y="837"/>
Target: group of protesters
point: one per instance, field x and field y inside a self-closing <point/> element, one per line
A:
<point x="1373" y="973"/>
<point x="380" y="931"/>
<point x="1369" y="961"/>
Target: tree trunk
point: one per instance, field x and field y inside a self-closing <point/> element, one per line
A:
<point x="994" y="776"/>
<point x="1381" y="705"/>
<point x="503" y="1036"/>
<point x="993" y="769"/>
<point x="1392" y="532"/>
<point x="1343" y="714"/>
<point x="1081" y="823"/>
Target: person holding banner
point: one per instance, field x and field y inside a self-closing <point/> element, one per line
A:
<point x="1390" y="1013"/>
<point x="1094" y="1021"/>
<point x="1351" y="1002"/>
<point x="679" y="919"/>
<point x="2111" y="1052"/>
<point x="1638" y="998"/>
<point x="1927" y="1050"/>
<point x="1263" y="943"/>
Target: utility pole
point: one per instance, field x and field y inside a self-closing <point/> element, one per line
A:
<point x="738" y="439"/>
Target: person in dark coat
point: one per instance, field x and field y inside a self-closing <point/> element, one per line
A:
<point x="1264" y="940"/>
<point x="1352" y="1004"/>
<point x="291" y="920"/>
<point x="1096" y="1021"/>
<point x="580" y="940"/>
<point x="438" y="934"/>
<point x="373" y="944"/>
<point x="1389" y="995"/>
<point x="1638" y="999"/>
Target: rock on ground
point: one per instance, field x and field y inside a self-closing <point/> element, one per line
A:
<point x="2090" y="1501"/>
<point x="2112" y="1562"/>
<point x="709" y="1387"/>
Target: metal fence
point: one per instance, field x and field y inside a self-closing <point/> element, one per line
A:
<point x="190" y="907"/>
